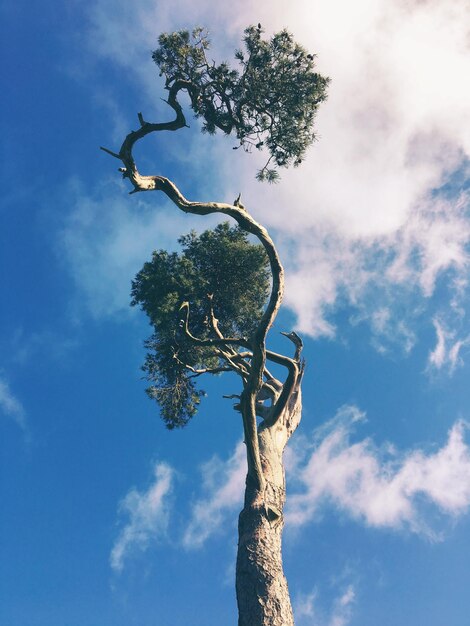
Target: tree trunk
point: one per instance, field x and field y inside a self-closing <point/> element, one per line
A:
<point x="262" y="592"/>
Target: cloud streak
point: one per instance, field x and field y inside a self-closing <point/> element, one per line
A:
<point x="11" y="406"/>
<point x="148" y="514"/>
<point x="447" y="351"/>
<point x="223" y="484"/>
<point x="309" y="612"/>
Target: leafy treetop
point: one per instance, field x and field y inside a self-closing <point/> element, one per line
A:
<point x="270" y="101"/>
<point x="218" y="273"/>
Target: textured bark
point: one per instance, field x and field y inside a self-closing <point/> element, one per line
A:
<point x="262" y="591"/>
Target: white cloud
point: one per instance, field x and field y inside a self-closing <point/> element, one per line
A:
<point x="22" y="346"/>
<point x="377" y="486"/>
<point x="363" y="215"/>
<point x="11" y="406"/>
<point x="381" y="488"/>
<point x="107" y="238"/>
<point x="309" y="612"/>
<point x="304" y="606"/>
<point x="447" y="352"/>
<point x="342" y="612"/>
<point x="438" y="232"/>
<point x="223" y="485"/>
<point x="379" y="275"/>
<point x="147" y="512"/>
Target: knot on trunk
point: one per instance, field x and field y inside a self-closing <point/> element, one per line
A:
<point x="273" y="515"/>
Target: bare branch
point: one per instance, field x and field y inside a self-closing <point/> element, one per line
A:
<point x="202" y="370"/>
<point x="208" y="341"/>
<point x="207" y="370"/>
<point x="114" y="154"/>
<point x="280" y="359"/>
<point x="221" y="344"/>
<point x="296" y="370"/>
<point x="241" y="368"/>
<point x="297" y="341"/>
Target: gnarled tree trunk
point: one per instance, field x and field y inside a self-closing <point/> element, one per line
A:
<point x="262" y="592"/>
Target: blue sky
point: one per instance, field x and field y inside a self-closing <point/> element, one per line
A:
<point x="109" y="519"/>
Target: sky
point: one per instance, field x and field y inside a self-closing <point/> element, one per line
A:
<point x="107" y="518"/>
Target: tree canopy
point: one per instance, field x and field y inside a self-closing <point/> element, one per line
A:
<point x="270" y="101"/>
<point x="221" y="276"/>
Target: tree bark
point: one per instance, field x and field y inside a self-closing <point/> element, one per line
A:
<point x="262" y="591"/>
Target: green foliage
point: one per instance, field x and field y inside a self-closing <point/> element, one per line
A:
<point x="221" y="263"/>
<point x="269" y="102"/>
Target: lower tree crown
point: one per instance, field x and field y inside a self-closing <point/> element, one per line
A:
<point x="222" y="281"/>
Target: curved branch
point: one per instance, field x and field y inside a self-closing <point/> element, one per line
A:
<point x="298" y="343"/>
<point x="202" y="370"/>
<point x="257" y="343"/>
<point x="214" y="322"/>
<point x="207" y="370"/>
<point x="209" y="341"/>
<point x="229" y="354"/>
<point x="220" y="344"/>
<point x="296" y="370"/>
<point x="125" y="152"/>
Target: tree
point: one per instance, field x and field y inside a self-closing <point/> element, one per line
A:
<point x="212" y="306"/>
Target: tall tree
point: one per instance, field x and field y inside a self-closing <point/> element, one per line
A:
<point x="212" y="306"/>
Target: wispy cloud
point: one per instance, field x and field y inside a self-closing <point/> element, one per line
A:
<point x="222" y="494"/>
<point x="22" y="346"/>
<point x="304" y="605"/>
<point x="11" y="406"/>
<point x="309" y="611"/>
<point x="448" y="348"/>
<point x="148" y="514"/>
<point x="343" y="607"/>
<point x="105" y="240"/>
<point x="380" y="487"/>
